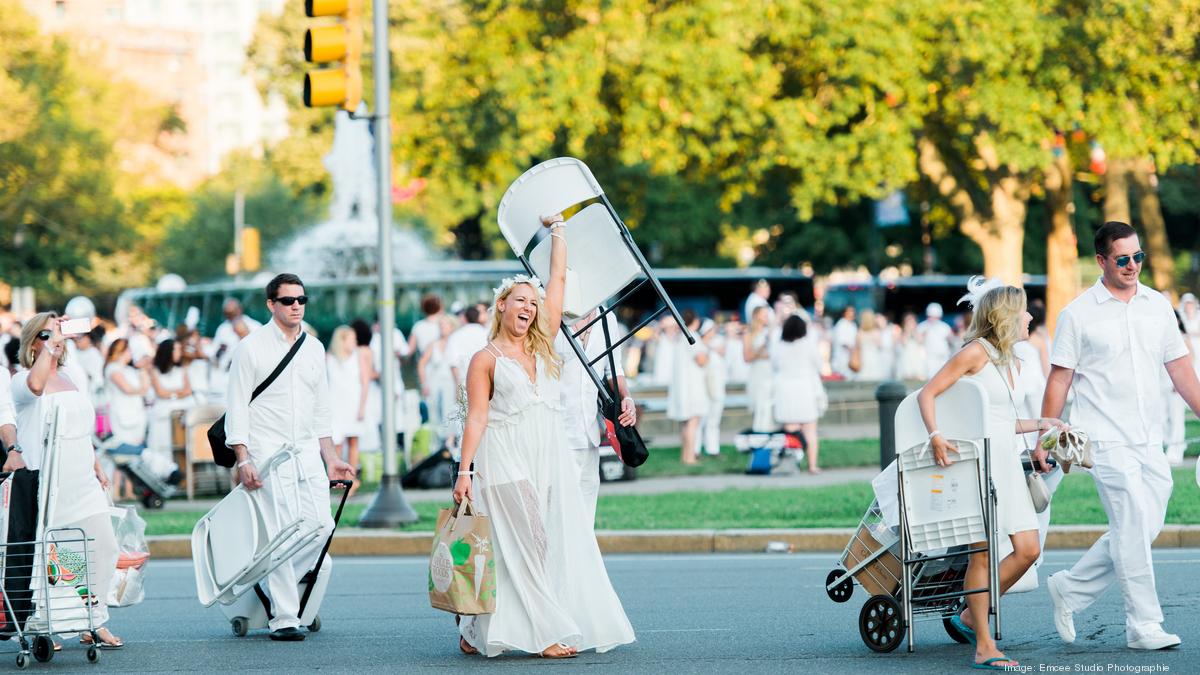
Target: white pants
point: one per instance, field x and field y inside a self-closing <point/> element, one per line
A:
<point x="588" y="461"/>
<point x="1134" y="485"/>
<point x="1174" y="430"/>
<point x="711" y="428"/>
<point x="283" y="504"/>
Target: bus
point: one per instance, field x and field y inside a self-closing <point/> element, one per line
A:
<point x="896" y="297"/>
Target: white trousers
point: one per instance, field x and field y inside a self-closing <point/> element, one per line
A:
<point x="1134" y="483"/>
<point x="1174" y="430"/>
<point x="284" y="503"/>
<point x="711" y="427"/>
<point x="588" y="461"/>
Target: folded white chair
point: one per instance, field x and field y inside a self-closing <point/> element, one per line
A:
<point x="233" y="545"/>
<point x="600" y="262"/>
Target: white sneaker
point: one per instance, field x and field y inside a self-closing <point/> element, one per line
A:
<point x="1064" y="619"/>
<point x="1155" y="638"/>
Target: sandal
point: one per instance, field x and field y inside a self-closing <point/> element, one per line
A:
<point x="991" y="664"/>
<point x="113" y="643"/>
<point x="566" y="653"/>
<point x="466" y="647"/>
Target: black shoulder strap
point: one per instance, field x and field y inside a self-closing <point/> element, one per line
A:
<point x="279" y="368"/>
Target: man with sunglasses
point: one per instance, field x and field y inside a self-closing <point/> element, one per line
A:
<point x="292" y="410"/>
<point x="1110" y="346"/>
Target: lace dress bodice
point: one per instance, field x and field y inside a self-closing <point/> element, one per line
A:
<point x="514" y="393"/>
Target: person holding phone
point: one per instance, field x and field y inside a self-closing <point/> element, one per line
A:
<point x="41" y="393"/>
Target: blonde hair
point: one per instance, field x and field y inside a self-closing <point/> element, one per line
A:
<point x="537" y="339"/>
<point x="29" y="333"/>
<point x="335" y="342"/>
<point x="997" y="319"/>
<point x="866" y="320"/>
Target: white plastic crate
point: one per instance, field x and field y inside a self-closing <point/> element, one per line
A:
<point x="942" y="505"/>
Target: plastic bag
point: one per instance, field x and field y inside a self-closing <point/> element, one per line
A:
<point x="132" y="553"/>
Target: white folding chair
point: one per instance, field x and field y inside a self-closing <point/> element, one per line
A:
<point x="602" y="259"/>
<point x="233" y="545"/>
<point x="945" y="507"/>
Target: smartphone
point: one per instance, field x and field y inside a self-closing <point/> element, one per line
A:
<point x="75" y="326"/>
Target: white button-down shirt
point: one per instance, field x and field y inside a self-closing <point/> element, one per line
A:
<point x="577" y="391"/>
<point x="293" y="410"/>
<point x="8" y="414"/>
<point x="1117" y="351"/>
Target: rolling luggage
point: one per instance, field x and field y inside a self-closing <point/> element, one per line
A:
<point x="252" y="611"/>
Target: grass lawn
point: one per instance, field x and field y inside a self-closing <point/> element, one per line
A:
<point x="834" y="454"/>
<point x="1075" y="503"/>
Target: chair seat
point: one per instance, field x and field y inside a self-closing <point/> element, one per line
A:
<point x="234" y="535"/>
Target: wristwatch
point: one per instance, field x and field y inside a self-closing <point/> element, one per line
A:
<point x="16" y="447"/>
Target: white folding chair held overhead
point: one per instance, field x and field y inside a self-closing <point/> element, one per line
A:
<point x="603" y="262"/>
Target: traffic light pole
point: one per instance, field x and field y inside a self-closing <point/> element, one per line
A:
<point x="389" y="508"/>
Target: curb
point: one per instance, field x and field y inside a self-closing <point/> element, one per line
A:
<point x="356" y="542"/>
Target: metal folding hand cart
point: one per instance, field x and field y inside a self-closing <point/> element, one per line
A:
<point x="47" y="591"/>
<point x="917" y="567"/>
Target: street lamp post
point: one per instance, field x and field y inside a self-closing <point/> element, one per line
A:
<point x="389" y="508"/>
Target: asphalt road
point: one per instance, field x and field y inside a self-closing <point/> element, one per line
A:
<point x="692" y="614"/>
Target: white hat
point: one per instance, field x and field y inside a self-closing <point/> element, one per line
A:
<point x="1186" y="298"/>
<point x="934" y="311"/>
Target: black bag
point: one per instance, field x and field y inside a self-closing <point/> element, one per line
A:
<point x="223" y="455"/>
<point x="18" y="563"/>
<point x="632" y="449"/>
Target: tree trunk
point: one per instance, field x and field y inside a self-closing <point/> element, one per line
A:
<point x="1162" y="265"/>
<point x="1062" y="248"/>
<point x="1000" y="233"/>
<point x="1116" y="191"/>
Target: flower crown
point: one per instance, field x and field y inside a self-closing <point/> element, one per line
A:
<point x="977" y="287"/>
<point x="513" y="281"/>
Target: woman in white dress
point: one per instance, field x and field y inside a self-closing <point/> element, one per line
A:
<point x="872" y="347"/>
<point x="172" y="391"/>
<point x="348" y="388"/>
<point x="910" y="352"/>
<point x="553" y="596"/>
<point x="757" y="353"/>
<point x="799" y="391"/>
<point x="125" y="389"/>
<point x="998" y="322"/>
<point x="715" y="375"/>
<point x="437" y="382"/>
<point x="40" y="393"/>
<point x="687" y="395"/>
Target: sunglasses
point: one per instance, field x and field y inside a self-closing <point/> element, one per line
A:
<point x="1123" y="260"/>
<point x="44" y="335"/>
<point x="288" y="300"/>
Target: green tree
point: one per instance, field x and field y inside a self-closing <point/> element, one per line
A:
<point x="58" y="201"/>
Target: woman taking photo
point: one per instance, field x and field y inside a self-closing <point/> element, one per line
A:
<point x="998" y="322"/>
<point x="553" y="596"/>
<point x="42" y="393"/>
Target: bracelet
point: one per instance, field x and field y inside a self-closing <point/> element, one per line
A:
<point x="627" y="398"/>
<point x="933" y="433"/>
<point x="466" y="473"/>
<point x="242" y="463"/>
<point x="557" y="235"/>
<point x="557" y="224"/>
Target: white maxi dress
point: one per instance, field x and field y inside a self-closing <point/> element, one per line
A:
<point x="551" y="584"/>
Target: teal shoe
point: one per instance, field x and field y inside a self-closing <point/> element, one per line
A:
<point x="963" y="628"/>
<point x="990" y="664"/>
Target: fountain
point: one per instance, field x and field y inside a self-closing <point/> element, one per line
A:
<point x="347" y="244"/>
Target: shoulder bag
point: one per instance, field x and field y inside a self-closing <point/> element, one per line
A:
<point x="223" y="455"/>
<point x="628" y="445"/>
<point x="1039" y="493"/>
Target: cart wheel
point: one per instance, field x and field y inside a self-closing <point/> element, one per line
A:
<point x="315" y="626"/>
<point x="841" y="592"/>
<point x="881" y="623"/>
<point x="152" y="501"/>
<point x="22" y="660"/>
<point x="43" y="648"/>
<point x="954" y="633"/>
<point x="93" y="655"/>
<point x="240" y="626"/>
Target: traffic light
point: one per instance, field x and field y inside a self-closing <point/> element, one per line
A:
<point x="251" y="250"/>
<point x="342" y="42"/>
